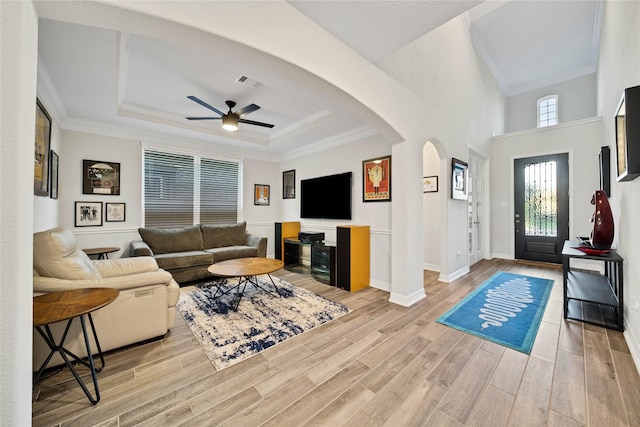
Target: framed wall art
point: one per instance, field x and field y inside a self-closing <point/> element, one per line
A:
<point x="289" y="184"/>
<point x="459" y="178"/>
<point x="41" y="151"/>
<point x="430" y="184"/>
<point x="100" y="177"/>
<point x="55" y="160"/>
<point x="115" y="212"/>
<point x="88" y="214"/>
<point x="261" y="194"/>
<point x="376" y="180"/>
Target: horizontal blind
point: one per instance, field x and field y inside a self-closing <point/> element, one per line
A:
<point x="219" y="191"/>
<point x="168" y="189"/>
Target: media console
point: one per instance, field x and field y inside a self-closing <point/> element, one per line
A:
<point x="344" y="264"/>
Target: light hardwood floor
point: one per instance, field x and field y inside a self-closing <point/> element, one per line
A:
<point x="380" y="365"/>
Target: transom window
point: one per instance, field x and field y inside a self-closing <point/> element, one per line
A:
<point x="548" y="111"/>
<point x="182" y="189"/>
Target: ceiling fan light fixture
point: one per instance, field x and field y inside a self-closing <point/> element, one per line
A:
<point x="230" y="123"/>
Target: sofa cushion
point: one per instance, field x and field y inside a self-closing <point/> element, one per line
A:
<point x="220" y="235"/>
<point x="232" y="252"/>
<point x="168" y="240"/>
<point x="55" y="254"/>
<point x="184" y="259"/>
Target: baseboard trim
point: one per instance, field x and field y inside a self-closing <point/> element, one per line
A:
<point x="431" y="267"/>
<point x="407" y="300"/>
<point x="379" y="284"/>
<point x="634" y="348"/>
<point x="448" y="278"/>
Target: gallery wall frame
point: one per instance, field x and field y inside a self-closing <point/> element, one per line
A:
<point x="261" y="194"/>
<point x="88" y="214"/>
<point x="54" y="166"/>
<point x="100" y="177"/>
<point x="604" y="160"/>
<point x="459" y="179"/>
<point x="430" y="184"/>
<point x="115" y="212"/>
<point x="376" y="179"/>
<point x="289" y="184"/>
<point x="41" y="151"/>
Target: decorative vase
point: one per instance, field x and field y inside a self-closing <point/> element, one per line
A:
<point x="602" y="233"/>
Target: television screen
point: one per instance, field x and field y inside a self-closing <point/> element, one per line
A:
<point x="326" y="197"/>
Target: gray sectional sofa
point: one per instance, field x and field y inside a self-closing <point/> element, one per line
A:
<point x="187" y="252"/>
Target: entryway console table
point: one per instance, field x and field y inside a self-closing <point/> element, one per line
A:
<point x="591" y="297"/>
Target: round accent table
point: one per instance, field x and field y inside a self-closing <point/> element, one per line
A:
<point x="68" y="305"/>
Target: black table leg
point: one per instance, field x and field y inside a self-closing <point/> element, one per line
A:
<point x="59" y="348"/>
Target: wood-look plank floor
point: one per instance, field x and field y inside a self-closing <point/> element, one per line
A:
<point x="380" y="365"/>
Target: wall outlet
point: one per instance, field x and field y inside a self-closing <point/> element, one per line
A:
<point x="636" y="306"/>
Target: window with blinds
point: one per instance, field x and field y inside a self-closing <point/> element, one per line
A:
<point x="185" y="189"/>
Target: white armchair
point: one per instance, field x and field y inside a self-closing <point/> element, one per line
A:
<point x="145" y="308"/>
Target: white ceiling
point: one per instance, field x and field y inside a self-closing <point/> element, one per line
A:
<point x="98" y="77"/>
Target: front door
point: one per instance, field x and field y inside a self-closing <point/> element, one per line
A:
<point x="475" y="219"/>
<point x="541" y="207"/>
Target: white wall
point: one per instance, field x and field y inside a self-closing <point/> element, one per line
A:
<point x="18" y="35"/>
<point x="619" y="67"/>
<point x="431" y="206"/>
<point x="456" y="82"/>
<point x="582" y="140"/>
<point x="377" y="215"/>
<point x="577" y="99"/>
<point x="78" y="146"/>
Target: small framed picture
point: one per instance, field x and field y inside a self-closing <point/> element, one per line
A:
<point x="41" y="152"/>
<point x="88" y="214"/>
<point x="376" y="179"/>
<point x="261" y="194"/>
<point x="99" y="177"/>
<point x="459" y="178"/>
<point x="55" y="160"/>
<point x="114" y="212"/>
<point x="430" y="184"/>
<point x="289" y="184"/>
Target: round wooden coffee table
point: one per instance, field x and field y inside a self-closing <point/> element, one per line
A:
<point x="247" y="270"/>
<point x="67" y="305"/>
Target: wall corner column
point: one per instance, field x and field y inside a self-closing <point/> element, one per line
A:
<point x="407" y="279"/>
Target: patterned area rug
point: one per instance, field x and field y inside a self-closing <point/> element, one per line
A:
<point x="506" y="309"/>
<point x="263" y="319"/>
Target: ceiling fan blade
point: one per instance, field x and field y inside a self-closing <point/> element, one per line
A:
<point x="204" y="104"/>
<point x="203" y="118"/>
<point x="251" y="122"/>
<point x="246" y="110"/>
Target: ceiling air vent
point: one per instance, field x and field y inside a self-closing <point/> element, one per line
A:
<point x="249" y="82"/>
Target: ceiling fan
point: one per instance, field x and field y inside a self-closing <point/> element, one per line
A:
<point x="231" y="119"/>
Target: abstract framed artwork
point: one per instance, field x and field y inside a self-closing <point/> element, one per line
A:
<point x="459" y="178"/>
<point x="100" y="177"/>
<point x="115" y="212"/>
<point x="261" y="194"/>
<point x="41" y="151"/>
<point x="55" y="161"/>
<point x="430" y="184"/>
<point x="289" y="184"/>
<point x="376" y="179"/>
<point x="88" y="214"/>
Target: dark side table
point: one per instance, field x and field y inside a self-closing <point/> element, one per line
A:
<point x="102" y="253"/>
<point x="67" y="305"/>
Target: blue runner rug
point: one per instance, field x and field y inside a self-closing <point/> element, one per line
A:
<point x="506" y="309"/>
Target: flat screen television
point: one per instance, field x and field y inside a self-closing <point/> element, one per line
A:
<point x="326" y="197"/>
